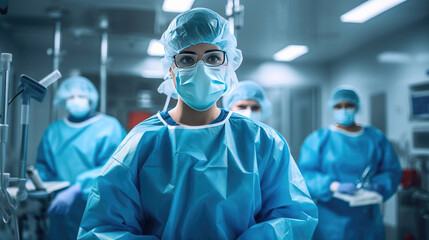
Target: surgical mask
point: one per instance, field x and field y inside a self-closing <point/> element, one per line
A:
<point x="201" y="86"/>
<point x="256" y="116"/>
<point x="250" y="114"/>
<point x="345" y="116"/>
<point x="78" y="107"/>
<point x="244" y="112"/>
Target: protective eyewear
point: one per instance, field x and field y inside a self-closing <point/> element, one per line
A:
<point x="188" y="60"/>
<point x="346" y="105"/>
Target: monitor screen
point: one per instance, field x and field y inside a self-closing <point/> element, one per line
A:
<point x="420" y="105"/>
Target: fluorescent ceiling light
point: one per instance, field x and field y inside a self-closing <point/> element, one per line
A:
<point x="155" y="48"/>
<point x="177" y="5"/>
<point x="290" y="53"/>
<point x="368" y="10"/>
<point x="277" y="74"/>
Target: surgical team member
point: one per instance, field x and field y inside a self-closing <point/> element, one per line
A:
<point x="74" y="149"/>
<point x="333" y="159"/>
<point x="197" y="171"/>
<point x="248" y="99"/>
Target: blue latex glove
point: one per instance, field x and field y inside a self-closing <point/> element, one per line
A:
<point x="347" y="188"/>
<point x="63" y="201"/>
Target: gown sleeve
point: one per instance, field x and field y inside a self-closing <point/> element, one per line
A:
<point x="310" y="165"/>
<point x="287" y="210"/>
<point x="113" y="210"/>
<point x="106" y="145"/>
<point x="389" y="172"/>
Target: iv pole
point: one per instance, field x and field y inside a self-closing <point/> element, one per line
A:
<point x="29" y="88"/>
<point x="103" y="24"/>
<point x="55" y="14"/>
<point x="235" y="13"/>
<point x="8" y="204"/>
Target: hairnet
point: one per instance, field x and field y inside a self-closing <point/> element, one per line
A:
<point x="76" y="85"/>
<point x="248" y="90"/>
<point x="345" y="94"/>
<point x="200" y="25"/>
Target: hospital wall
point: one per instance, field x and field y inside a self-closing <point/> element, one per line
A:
<point x="283" y="74"/>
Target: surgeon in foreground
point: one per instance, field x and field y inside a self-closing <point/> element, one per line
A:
<point x="74" y="149"/>
<point x="248" y="99"/>
<point x="198" y="171"/>
<point x="334" y="159"/>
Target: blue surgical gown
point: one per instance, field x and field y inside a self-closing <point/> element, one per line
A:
<point x="234" y="179"/>
<point x="75" y="152"/>
<point x="331" y="154"/>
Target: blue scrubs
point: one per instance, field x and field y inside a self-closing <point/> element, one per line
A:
<point x="76" y="152"/>
<point x="331" y="154"/>
<point x="232" y="179"/>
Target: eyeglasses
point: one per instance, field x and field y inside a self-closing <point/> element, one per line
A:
<point x="344" y="105"/>
<point x="188" y="60"/>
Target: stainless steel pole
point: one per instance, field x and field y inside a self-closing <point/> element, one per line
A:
<point x="103" y="63"/>
<point x="56" y="66"/>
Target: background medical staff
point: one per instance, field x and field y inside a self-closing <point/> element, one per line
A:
<point x="248" y="99"/>
<point x="198" y="171"/>
<point x="333" y="159"/>
<point x="74" y="149"/>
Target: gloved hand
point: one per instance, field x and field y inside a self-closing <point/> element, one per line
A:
<point x="63" y="201"/>
<point x="347" y="188"/>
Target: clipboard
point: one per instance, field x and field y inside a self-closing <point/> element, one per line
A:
<point x="362" y="197"/>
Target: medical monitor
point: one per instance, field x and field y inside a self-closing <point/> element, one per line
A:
<point x="419" y="102"/>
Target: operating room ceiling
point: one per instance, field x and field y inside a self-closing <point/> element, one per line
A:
<point x="268" y="25"/>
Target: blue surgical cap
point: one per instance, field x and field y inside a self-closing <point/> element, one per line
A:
<point x="248" y="90"/>
<point x="199" y="25"/>
<point x="76" y="85"/>
<point x="344" y="94"/>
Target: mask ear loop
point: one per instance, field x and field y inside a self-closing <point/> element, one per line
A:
<point x="167" y="102"/>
